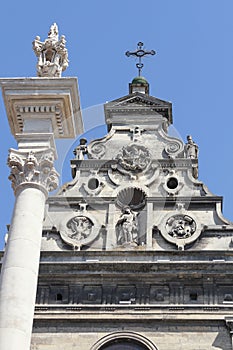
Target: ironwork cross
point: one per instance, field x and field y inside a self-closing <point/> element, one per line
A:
<point x="140" y="52"/>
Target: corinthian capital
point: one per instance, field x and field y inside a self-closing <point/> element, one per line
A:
<point x="33" y="167"/>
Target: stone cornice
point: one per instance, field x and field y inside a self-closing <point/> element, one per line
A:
<point x="119" y="312"/>
<point x="159" y="257"/>
<point x="70" y="201"/>
<point x="107" y="163"/>
<point x="56" y="99"/>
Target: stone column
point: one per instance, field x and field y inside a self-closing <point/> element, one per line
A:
<point x="38" y="110"/>
<point x="32" y="176"/>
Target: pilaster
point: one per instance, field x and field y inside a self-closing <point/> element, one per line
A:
<point x="149" y="225"/>
<point x="111" y="236"/>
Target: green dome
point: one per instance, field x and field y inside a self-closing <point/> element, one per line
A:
<point x="139" y="80"/>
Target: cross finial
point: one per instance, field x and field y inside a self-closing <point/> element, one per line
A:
<point x="140" y="52"/>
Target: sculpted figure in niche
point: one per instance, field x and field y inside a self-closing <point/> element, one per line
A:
<point x="127" y="227"/>
<point x="81" y="150"/>
<point x="191" y="148"/>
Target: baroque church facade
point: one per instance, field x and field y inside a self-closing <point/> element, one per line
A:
<point x="133" y="252"/>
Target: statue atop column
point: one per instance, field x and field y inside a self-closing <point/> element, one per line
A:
<point x="52" y="54"/>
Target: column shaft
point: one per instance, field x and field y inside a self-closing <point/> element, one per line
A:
<point x="20" y="266"/>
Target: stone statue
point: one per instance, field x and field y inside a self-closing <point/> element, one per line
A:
<point x="191" y="148"/>
<point x="52" y="54"/>
<point x="81" y="150"/>
<point x="127" y="227"/>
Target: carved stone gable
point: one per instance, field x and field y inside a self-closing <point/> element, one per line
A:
<point x="138" y="103"/>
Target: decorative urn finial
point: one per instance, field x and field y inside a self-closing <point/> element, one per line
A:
<point x="52" y="54"/>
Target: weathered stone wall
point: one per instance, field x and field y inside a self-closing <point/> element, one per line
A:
<point x="164" y="335"/>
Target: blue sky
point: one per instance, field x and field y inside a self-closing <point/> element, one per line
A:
<point x="193" y="68"/>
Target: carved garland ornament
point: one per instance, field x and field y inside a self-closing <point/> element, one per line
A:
<point x="134" y="157"/>
<point x="33" y="168"/>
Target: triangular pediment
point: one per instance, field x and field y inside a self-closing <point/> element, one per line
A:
<point x="139" y="99"/>
<point x="141" y="102"/>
